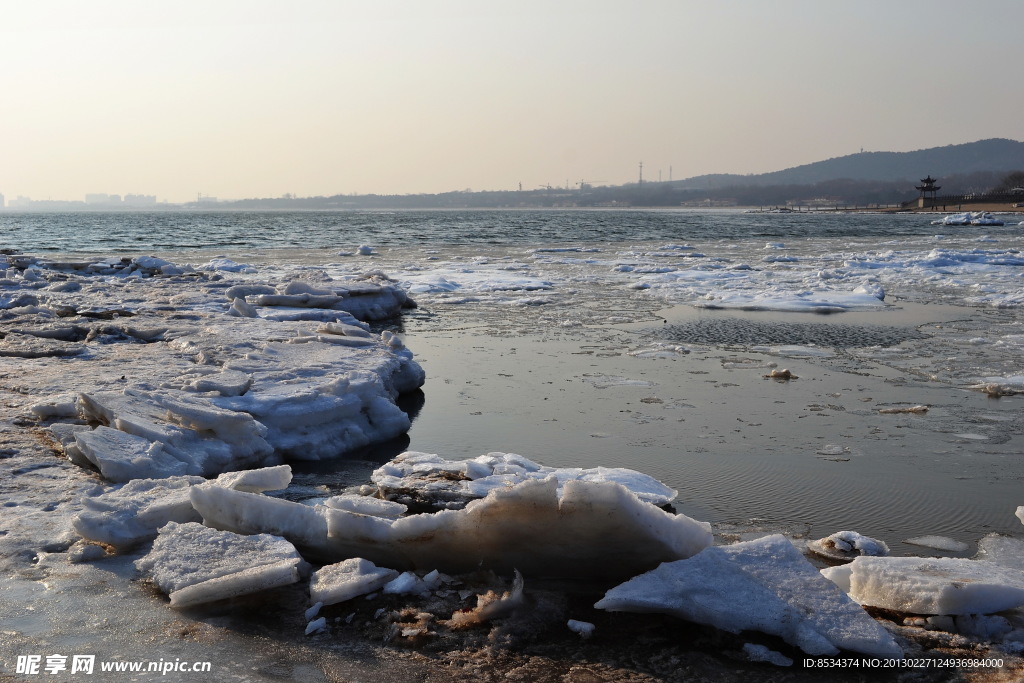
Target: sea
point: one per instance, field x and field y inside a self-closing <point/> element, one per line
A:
<point x="131" y="232"/>
<point x="803" y="373"/>
<point x="642" y="339"/>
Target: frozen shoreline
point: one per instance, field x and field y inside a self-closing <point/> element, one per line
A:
<point x="744" y="369"/>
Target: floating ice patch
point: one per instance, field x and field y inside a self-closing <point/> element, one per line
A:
<point x="470" y="281"/>
<point x="608" y="381"/>
<point x="659" y="350"/>
<point x="863" y="298"/>
<point x="939" y="543"/>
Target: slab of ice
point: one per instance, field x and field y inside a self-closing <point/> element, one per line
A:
<point x="120" y="456"/>
<point x="404" y="584"/>
<point x="427" y="479"/>
<point x="590" y="529"/>
<point x="1003" y="550"/>
<point x="348" y="579"/>
<point x="764" y="585"/>
<point x="939" y="543"/>
<point x="257" y="481"/>
<point x="130" y="514"/>
<point x="169" y="433"/>
<point x="374" y="297"/>
<point x="365" y="505"/>
<point x="194" y="564"/>
<point x="941" y="585"/>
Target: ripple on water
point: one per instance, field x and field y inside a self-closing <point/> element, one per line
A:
<point x="732" y="331"/>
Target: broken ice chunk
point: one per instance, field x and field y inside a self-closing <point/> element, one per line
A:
<point x="365" y="505"/>
<point x="846" y="545"/>
<point x="194" y="564"/>
<point x="1003" y="550"/>
<point x="405" y="583"/>
<point x="256" y="481"/>
<point x="942" y="585"/>
<point x="132" y="513"/>
<point x="429" y="480"/>
<point x="348" y="579"/>
<point x="764" y="585"/>
<point x="584" y="629"/>
<point x="595" y="529"/>
<point x="939" y="543"/>
<point x="120" y="456"/>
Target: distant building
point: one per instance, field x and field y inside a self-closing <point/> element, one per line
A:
<point x="2" y="204"/>
<point x="101" y="198"/>
<point x="927" y="187"/>
<point x="139" y="200"/>
<point x="20" y="203"/>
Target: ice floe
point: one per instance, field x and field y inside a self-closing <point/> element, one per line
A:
<point x="939" y="543"/>
<point x="762" y="585"/>
<point x="428" y="480"/>
<point x="930" y="585"/>
<point x="846" y="545"/>
<point x="348" y="579"/>
<point x="194" y="564"/>
<point x="969" y="218"/>
<point x="186" y="373"/>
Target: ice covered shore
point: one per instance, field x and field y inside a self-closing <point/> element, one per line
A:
<point x="158" y="370"/>
<point x="183" y="367"/>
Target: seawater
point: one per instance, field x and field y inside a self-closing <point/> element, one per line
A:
<point x="548" y="374"/>
<point x="134" y="232"/>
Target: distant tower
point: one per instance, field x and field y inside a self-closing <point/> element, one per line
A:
<point x="927" y="187"/>
<point x="641" y="173"/>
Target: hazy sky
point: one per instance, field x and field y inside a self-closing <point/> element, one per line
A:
<point x="256" y="98"/>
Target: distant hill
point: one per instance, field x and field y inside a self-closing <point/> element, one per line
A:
<point x="996" y="154"/>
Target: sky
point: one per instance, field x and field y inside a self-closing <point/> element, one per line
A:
<point x="259" y="98"/>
